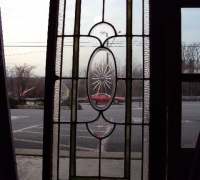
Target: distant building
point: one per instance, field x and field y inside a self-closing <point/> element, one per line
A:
<point x="64" y="92"/>
<point x="34" y="101"/>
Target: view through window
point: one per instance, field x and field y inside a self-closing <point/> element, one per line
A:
<point x="101" y="99"/>
<point x="25" y="25"/>
<point x="190" y="67"/>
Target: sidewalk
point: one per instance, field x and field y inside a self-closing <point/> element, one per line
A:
<point x="30" y="167"/>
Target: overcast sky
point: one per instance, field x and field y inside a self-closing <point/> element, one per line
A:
<point x="25" y="23"/>
<point x="190" y="25"/>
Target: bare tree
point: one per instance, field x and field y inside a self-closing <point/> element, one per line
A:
<point x="190" y="64"/>
<point x="190" y="57"/>
<point x="22" y="78"/>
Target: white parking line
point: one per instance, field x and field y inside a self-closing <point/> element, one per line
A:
<point x="31" y="132"/>
<point x="20" y="130"/>
<point x="25" y="130"/>
<point x="28" y="140"/>
<point x="78" y="136"/>
<point x="104" y="141"/>
<point x="186" y="121"/>
<point x="136" y="120"/>
<point x="40" y="127"/>
<point x="81" y="148"/>
<point x="39" y="142"/>
<point x="18" y="117"/>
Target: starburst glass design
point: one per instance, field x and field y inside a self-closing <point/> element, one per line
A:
<point x="101" y="78"/>
<point x="100" y="128"/>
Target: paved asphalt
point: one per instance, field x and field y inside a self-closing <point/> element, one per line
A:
<point x="27" y="127"/>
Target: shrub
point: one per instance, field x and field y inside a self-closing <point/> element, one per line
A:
<point x="13" y="102"/>
<point x="67" y="102"/>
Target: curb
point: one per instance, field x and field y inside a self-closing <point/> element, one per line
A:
<point x="80" y="154"/>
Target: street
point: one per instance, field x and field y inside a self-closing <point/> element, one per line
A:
<point x="27" y="127"/>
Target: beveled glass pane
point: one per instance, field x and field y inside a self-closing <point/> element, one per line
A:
<point x="112" y="168"/>
<point x="146" y="153"/>
<point x="116" y="112"/>
<point x="137" y="60"/>
<point x="82" y="91"/>
<point x="87" y="155"/>
<point x="56" y="101"/>
<point x="63" y="167"/>
<point x="85" y="111"/>
<point x="85" y="141"/>
<point x="90" y="14"/>
<point x="65" y="100"/>
<point x="101" y="78"/>
<point x="136" y="169"/>
<point x="137" y="17"/>
<point x="136" y="141"/>
<point x="190" y="114"/>
<point x="69" y="17"/>
<point x="67" y="57"/>
<point x="86" y="48"/>
<point x="190" y="40"/>
<point x="91" y="167"/>
<point x="64" y="151"/>
<point x="137" y="101"/>
<point x="115" y="13"/>
<point x="118" y="47"/>
<point x="64" y="139"/>
<point x="116" y="141"/>
<point x="136" y="152"/>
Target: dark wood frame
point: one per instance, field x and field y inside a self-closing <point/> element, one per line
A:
<point x="179" y="159"/>
<point x="8" y="168"/>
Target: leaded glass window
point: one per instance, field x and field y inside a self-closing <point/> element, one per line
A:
<point x="102" y="66"/>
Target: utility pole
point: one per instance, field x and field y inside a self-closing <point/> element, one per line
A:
<point x="107" y="44"/>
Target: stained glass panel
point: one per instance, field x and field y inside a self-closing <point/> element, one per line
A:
<point x="103" y="71"/>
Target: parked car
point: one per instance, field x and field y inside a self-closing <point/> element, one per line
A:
<point x="102" y="98"/>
